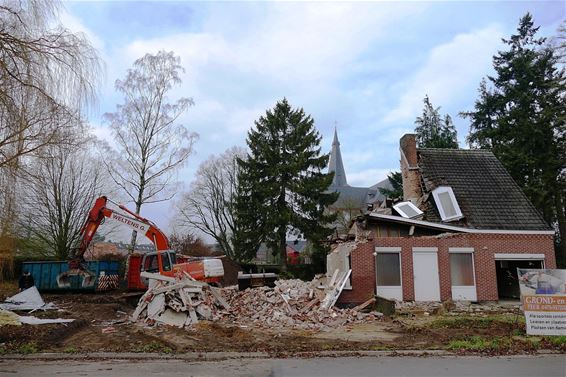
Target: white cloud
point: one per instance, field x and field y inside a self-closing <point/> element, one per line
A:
<point x="74" y="24"/>
<point x="368" y="177"/>
<point x="451" y="72"/>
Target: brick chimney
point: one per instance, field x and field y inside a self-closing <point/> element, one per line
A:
<point x="409" y="168"/>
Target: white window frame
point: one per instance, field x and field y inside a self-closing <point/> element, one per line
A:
<point x="403" y="214"/>
<point x="394" y="292"/>
<point x="464" y="292"/>
<point x="519" y="256"/>
<point x="348" y="284"/>
<point x="447" y="189"/>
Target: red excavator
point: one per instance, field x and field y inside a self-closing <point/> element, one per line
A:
<point x="162" y="261"/>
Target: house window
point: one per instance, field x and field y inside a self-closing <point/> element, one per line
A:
<point x="388" y="269"/>
<point x="407" y="210"/>
<point x="462" y="269"/>
<point x="446" y="203"/>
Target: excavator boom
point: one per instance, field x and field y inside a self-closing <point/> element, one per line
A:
<point x="164" y="258"/>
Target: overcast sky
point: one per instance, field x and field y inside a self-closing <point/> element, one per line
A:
<point x="362" y="66"/>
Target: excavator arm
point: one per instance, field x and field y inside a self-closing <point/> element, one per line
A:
<point x="140" y="224"/>
<point x="95" y="217"/>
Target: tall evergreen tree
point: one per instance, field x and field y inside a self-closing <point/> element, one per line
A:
<point x="434" y="132"/>
<point x="520" y="115"/>
<point x="396" y="180"/>
<point x="282" y="189"/>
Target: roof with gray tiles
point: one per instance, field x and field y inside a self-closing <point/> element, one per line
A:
<point x="350" y="196"/>
<point x="335" y="163"/>
<point x="487" y="195"/>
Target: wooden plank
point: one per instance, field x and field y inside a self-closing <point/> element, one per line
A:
<point x="365" y="304"/>
<point x="333" y="294"/>
<point x="177" y="286"/>
<point x="151" y="275"/>
<point x="310" y="305"/>
<point x="189" y="305"/>
<point x="344" y="280"/>
<point x="289" y="308"/>
<point x="216" y="292"/>
<point x="333" y="280"/>
<point x="141" y="306"/>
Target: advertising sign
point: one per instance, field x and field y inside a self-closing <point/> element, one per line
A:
<point x="543" y="294"/>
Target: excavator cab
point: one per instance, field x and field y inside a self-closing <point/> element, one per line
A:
<point x="150" y="261"/>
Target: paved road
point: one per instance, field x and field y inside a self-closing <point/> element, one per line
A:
<point x="542" y="366"/>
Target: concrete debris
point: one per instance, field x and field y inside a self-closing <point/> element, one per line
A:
<point x="178" y="301"/>
<point x="291" y="303"/>
<point x="29" y="299"/>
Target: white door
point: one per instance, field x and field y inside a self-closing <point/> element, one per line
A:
<point x="425" y="272"/>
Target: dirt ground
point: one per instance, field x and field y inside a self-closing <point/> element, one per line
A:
<point x="101" y="325"/>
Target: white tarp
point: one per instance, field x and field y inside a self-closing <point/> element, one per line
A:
<point x="31" y="320"/>
<point x="10" y="318"/>
<point x="29" y="299"/>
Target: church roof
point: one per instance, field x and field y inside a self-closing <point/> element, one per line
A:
<point x="350" y="197"/>
<point x="336" y="165"/>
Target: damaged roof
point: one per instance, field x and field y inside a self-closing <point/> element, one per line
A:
<point x="486" y="193"/>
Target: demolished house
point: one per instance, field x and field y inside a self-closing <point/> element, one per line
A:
<point x="462" y="230"/>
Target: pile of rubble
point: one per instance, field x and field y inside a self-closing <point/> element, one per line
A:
<point x="450" y="307"/>
<point x="178" y="302"/>
<point x="291" y="303"/>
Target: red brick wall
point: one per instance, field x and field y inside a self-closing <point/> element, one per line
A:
<point x="484" y="245"/>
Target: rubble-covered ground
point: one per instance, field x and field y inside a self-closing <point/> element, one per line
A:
<point x="102" y="325"/>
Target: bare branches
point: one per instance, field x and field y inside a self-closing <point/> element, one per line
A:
<point x="152" y="144"/>
<point x="208" y="206"/>
<point x="47" y="76"/>
<point x="59" y="189"/>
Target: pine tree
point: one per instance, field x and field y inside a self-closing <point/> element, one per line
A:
<point x="434" y="132"/>
<point x="396" y="180"/>
<point x="520" y="115"/>
<point x="282" y="189"/>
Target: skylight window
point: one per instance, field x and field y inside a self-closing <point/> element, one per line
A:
<point x="446" y="203"/>
<point x="407" y="210"/>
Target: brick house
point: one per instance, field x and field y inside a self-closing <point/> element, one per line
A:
<point x="462" y="229"/>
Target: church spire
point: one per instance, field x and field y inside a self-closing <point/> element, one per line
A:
<point x="335" y="163"/>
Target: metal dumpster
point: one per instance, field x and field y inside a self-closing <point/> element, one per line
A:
<point x="45" y="276"/>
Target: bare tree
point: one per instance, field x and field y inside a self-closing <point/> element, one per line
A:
<point x="152" y="146"/>
<point x="59" y="191"/>
<point x="46" y="75"/>
<point x="208" y="206"/>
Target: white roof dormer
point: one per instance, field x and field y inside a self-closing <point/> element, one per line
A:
<point x="447" y="204"/>
<point x="407" y="210"/>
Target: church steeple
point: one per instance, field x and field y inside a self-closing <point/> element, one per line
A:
<point x="335" y="163"/>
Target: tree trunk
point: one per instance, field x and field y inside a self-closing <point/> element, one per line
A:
<point x="561" y="219"/>
<point x="133" y="239"/>
<point x="135" y="233"/>
<point x="283" y="250"/>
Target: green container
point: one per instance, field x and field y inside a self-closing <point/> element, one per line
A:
<point x="45" y="276"/>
